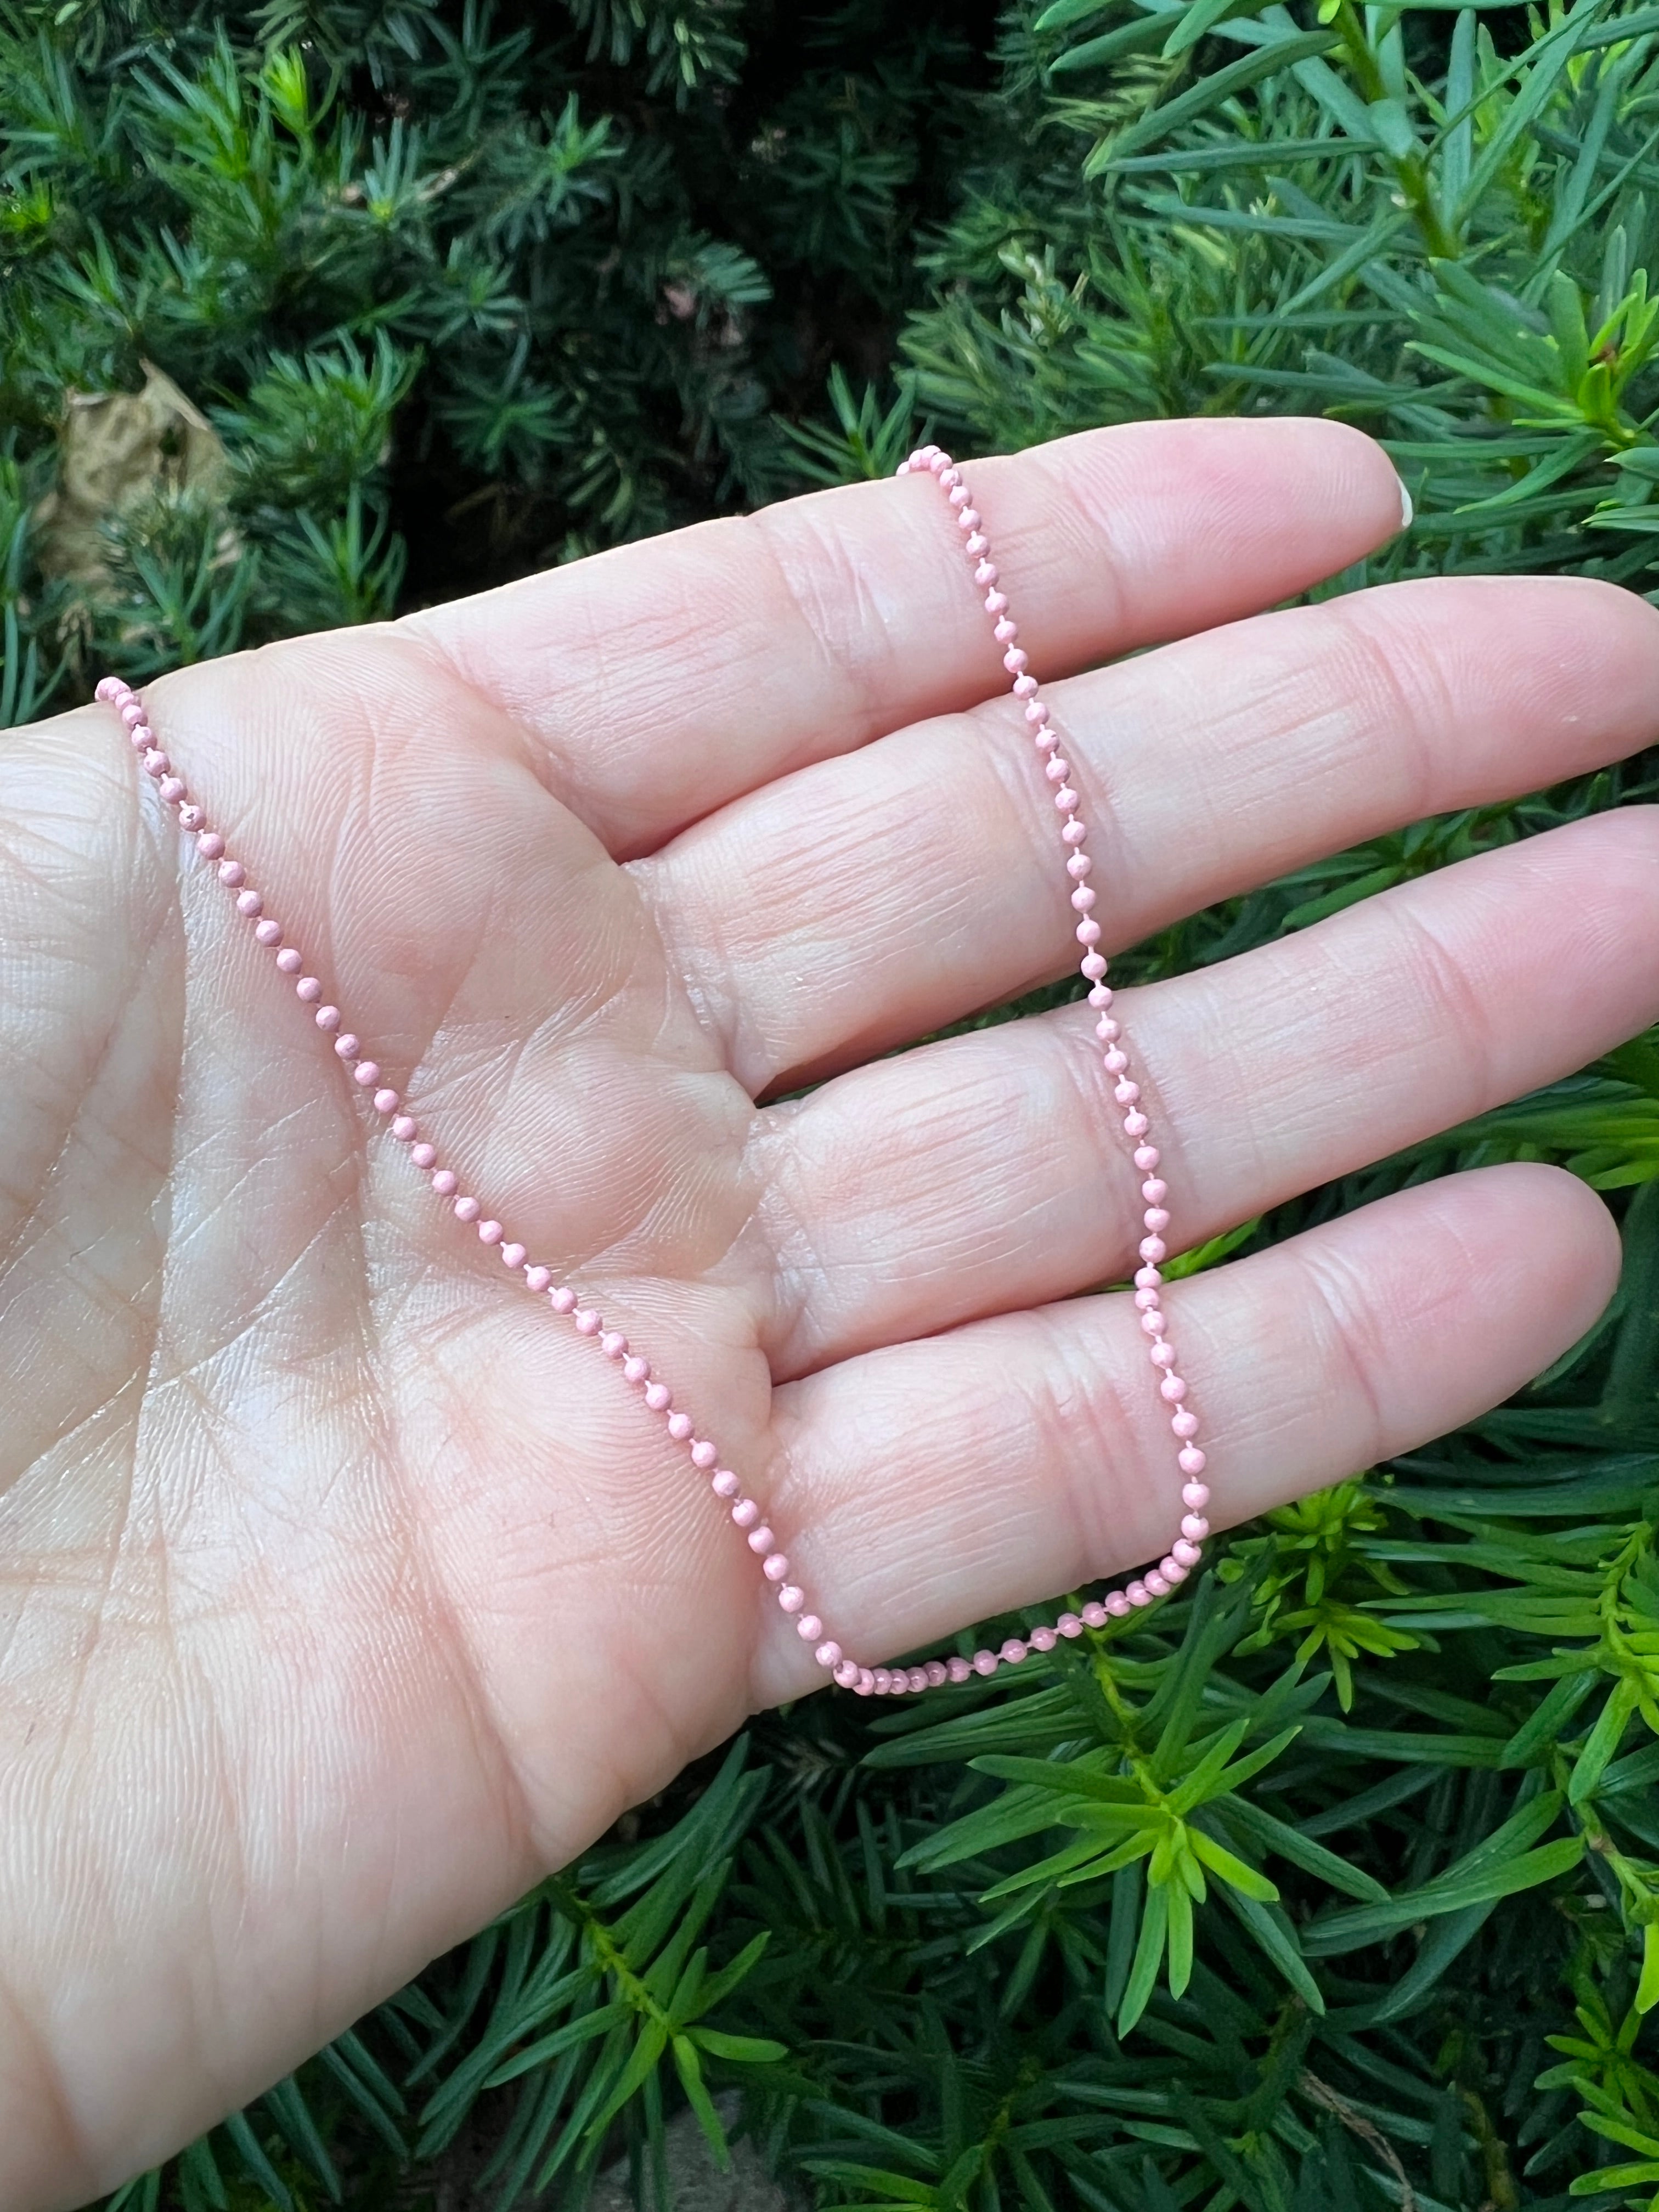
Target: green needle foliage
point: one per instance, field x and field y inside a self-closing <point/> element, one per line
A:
<point x="1332" y="1883"/>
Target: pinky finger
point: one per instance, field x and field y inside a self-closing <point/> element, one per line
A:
<point x="938" y="1482"/>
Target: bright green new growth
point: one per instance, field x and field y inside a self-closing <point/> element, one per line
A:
<point x="1332" y="1885"/>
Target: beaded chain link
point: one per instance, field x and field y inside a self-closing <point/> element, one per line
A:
<point x="636" y="1370"/>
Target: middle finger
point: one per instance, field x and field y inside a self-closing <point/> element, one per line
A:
<point x="864" y="901"/>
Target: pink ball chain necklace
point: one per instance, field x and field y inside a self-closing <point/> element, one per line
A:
<point x="867" y="1681"/>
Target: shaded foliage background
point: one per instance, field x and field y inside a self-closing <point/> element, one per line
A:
<point x="1333" y="1884"/>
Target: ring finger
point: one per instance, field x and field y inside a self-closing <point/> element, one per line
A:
<point x="985" y="1173"/>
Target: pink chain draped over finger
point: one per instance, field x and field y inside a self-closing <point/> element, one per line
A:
<point x="747" y="1515"/>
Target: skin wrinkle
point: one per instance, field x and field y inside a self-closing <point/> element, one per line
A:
<point x="1410" y="711"/>
<point x="1349" y="1334"/>
<point x="67" y="2157"/>
<point x="122" y="1524"/>
<point x="11" y="1251"/>
<point x="831" y="609"/>
<point x="1101" y="1401"/>
<point x="1445" y="980"/>
<point x="807" y="1278"/>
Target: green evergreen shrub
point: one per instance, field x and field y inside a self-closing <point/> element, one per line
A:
<point x="1334" y="1884"/>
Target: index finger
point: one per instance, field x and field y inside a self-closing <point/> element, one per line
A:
<point x="661" y="680"/>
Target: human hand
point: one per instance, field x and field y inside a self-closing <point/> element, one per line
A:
<point x="343" y="1592"/>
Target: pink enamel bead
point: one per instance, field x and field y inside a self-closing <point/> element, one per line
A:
<point x="761" y="1540"/>
<point x="679" y="1427"/>
<point x="657" y="1397"/>
<point x="467" y="1209"/>
<point x="724" y="1483"/>
<point x="423" y="1155"/>
<point x="289" y="960"/>
<point x="588" y="1321"/>
<point x="537" y="1279"/>
<point x="562" y="1299"/>
<point x="746" y="1513"/>
<point x="808" y="1627"/>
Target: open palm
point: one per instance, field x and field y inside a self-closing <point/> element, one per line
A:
<point x="343" y="1591"/>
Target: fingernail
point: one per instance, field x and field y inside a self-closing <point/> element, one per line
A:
<point x="1407" y="510"/>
